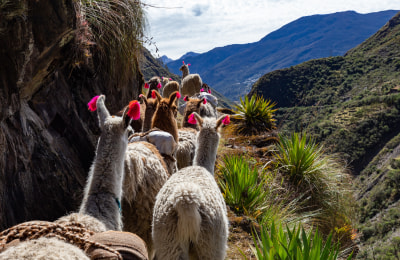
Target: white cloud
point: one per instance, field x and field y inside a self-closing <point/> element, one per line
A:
<point x="199" y="26"/>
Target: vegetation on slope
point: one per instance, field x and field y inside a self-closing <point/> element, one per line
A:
<point x="351" y="104"/>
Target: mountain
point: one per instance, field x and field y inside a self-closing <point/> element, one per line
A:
<point x="165" y="59"/>
<point x="306" y="38"/>
<point x="188" y="54"/>
<point x="351" y="105"/>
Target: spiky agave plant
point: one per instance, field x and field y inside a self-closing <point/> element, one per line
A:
<point x="115" y="30"/>
<point x="254" y="116"/>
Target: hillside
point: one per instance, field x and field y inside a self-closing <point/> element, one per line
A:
<point x="307" y="38"/>
<point x="351" y="104"/>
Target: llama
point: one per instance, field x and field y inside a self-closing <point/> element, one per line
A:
<point x="191" y="83"/>
<point x="103" y="191"/>
<point x="164" y="81"/>
<point x="164" y="117"/>
<point x="145" y="174"/>
<point x="151" y="107"/>
<point x="153" y="84"/>
<point x="190" y="217"/>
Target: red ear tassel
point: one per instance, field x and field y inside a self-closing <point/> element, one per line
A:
<point x="146" y="85"/>
<point x="192" y="120"/>
<point x="202" y="90"/>
<point x="141" y="95"/>
<point x="226" y="120"/>
<point x="92" y="106"/>
<point x="204" y="101"/>
<point x="209" y="91"/>
<point x="153" y="94"/>
<point x="183" y="62"/>
<point x="159" y="85"/>
<point x="189" y="64"/>
<point x="186" y="98"/>
<point x="178" y="95"/>
<point x="134" y="110"/>
<point x="170" y="79"/>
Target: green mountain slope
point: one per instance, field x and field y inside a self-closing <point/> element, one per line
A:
<point x="351" y="104"/>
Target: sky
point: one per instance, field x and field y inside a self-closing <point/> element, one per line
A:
<point x="175" y="27"/>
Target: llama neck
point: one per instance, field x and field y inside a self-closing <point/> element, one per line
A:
<point x="206" y="152"/>
<point x="185" y="72"/>
<point x="103" y="190"/>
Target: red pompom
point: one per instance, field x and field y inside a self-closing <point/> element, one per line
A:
<point x="226" y="120"/>
<point x="170" y="79"/>
<point x="204" y="101"/>
<point x="159" y="85"/>
<point x="192" y="120"/>
<point x="153" y="94"/>
<point x="178" y="95"/>
<point x="209" y="91"/>
<point x="202" y="90"/>
<point x="183" y="62"/>
<point x="134" y="110"/>
<point x="186" y="98"/>
<point x="141" y="95"/>
<point x="146" y="85"/>
<point x="189" y="64"/>
<point x="92" y="106"/>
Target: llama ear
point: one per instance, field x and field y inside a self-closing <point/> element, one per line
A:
<point x="223" y="120"/>
<point x="198" y="118"/>
<point x="102" y="110"/>
<point x="158" y="96"/>
<point x="143" y="98"/>
<point x="186" y="98"/>
<point x="125" y="118"/>
<point x="173" y="96"/>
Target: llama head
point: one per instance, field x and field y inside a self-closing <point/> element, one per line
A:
<point x="168" y="104"/>
<point x="211" y="123"/>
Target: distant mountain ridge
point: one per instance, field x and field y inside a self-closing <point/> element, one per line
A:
<point x="233" y="69"/>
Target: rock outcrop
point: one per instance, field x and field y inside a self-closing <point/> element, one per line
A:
<point x="47" y="134"/>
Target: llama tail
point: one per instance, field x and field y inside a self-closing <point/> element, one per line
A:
<point x="188" y="198"/>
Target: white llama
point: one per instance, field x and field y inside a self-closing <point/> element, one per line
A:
<point x="190" y="219"/>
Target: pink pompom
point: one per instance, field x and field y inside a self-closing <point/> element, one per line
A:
<point x="146" y="85"/>
<point x="162" y="78"/>
<point x="159" y="85"/>
<point x="202" y="90"/>
<point x="153" y="94"/>
<point x="170" y="79"/>
<point x="192" y="120"/>
<point x="134" y="110"/>
<point x="183" y="62"/>
<point x="92" y="106"/>
<point x="209" y="91"/>
<point x="189" y="64"/>
<point x="186" y="98"/>
<point x="178" y="95"/>
<point x="226" y="120"/>
<point x="141" y="95"/>
<point x="204" y="101"/>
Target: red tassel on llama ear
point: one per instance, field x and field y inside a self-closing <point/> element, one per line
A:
<point x="92" y="106"/>
<point x="141" y="95"/>
<point x="183" y="62"/>
<point x="134" y="110"/>
<point x="209" y="91"/>
<point x="192" y="120"/>
<point x="178" y="95"/>
<point x="186" y="98"/>
<point x="204" y="101"/>
<point x="146" y="85"/>
<point x="226" y="120"/>
<point x="189" y="64"/>
<point x="202" y="90"/>
<point x="153" y="94"/>
<point x="170" y="79"/>
<point x="159" y="85"/>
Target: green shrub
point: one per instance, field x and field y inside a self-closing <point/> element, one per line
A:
<point x="254" y="116"/>
<point x="242" y="186"/>
<point x="280" y="244"/>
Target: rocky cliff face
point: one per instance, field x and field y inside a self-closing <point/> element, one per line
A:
<point x="47" y="134"/>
